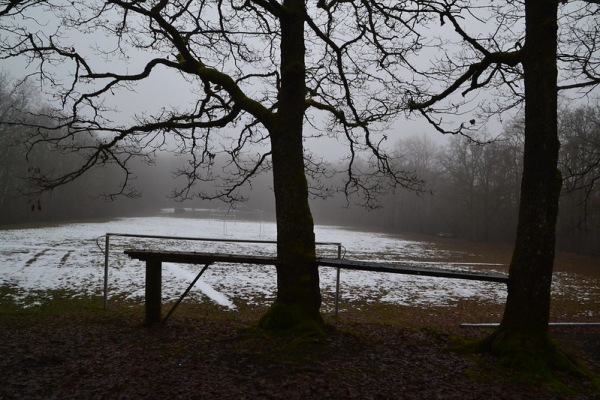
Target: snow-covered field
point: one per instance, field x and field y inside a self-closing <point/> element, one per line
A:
<point x="35" y="262"/>
<point x="70" y="257"/>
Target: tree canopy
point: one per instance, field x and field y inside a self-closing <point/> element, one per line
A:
<point x="225" y="58"/>
<point x="262" y="69"/>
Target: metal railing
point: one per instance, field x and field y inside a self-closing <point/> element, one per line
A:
<point x="184" y="238"/>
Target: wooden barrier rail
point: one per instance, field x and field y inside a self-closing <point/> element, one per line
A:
<point x="338" y="246"/>
<point x="154" y="260"/>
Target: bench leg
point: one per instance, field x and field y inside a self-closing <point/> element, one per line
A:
<point x="153" y="292"/>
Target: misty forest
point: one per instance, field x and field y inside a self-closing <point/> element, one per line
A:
<point x="472" y="122"/>
<point x="471" y="188"/>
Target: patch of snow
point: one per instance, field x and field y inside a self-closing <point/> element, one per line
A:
<point x="70" y="257"/>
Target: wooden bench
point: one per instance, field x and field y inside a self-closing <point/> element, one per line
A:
<point x="154" y="260"/>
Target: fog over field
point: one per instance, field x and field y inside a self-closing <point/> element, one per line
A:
<point x="69" y="259"/>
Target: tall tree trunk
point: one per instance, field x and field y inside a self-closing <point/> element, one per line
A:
<point x="528" y="303"/>
<point x="523" y="339"/>
<point x="298" y="293"/>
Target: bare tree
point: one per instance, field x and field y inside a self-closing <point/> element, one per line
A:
<point x="10" y="8"/>
<point x="411" y="210"/>
<point x="579" y="161"/>
<point x="480" y="186"/>
<point x="261" y="68"/>
<point x="579" y="130"/>
<point x="513" y="48"/>
<point x="13" y="100"/>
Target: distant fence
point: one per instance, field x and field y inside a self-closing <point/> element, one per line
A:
<point x="196" y="239"/>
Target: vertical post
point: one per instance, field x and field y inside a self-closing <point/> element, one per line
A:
<point x="337" y="283"/>
<point x="153" y="292"/>
<point x="106" y="250"/>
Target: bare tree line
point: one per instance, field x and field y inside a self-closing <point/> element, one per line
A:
<point x="20" y="163"/>
<point x="471" y="188"/>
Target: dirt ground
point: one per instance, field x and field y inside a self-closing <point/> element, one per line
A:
<point x="204" y="354"/>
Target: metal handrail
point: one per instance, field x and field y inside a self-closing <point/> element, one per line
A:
<point x="187" y="238"/>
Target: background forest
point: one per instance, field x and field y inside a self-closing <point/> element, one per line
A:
<point x="472" y="188"/>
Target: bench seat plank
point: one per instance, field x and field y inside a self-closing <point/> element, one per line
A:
<point x="403" y="268"/>
<point x="397" y="268"/>
<point x="197" y="257"/>
<point x="155" y="258"/>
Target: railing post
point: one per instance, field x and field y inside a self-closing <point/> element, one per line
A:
<point x="337" y="283"/>
<point x="106" y="250"/>
<point x="153" y="292"/>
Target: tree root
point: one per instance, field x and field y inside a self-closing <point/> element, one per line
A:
<point x="533" y="356"/>
<point x="292" y="319"/>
